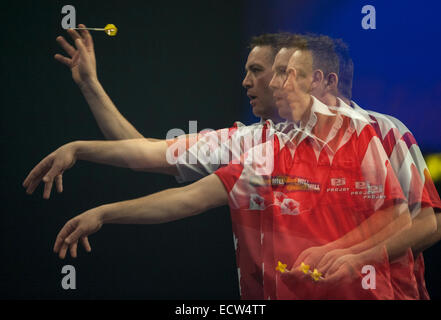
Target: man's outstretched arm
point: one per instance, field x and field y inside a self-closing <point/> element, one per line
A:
<point x="161" y="207"/>
<point x="136" y="154"/>
<point x="82" y="63"/>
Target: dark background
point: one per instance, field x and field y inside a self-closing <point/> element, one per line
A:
<point x="171" y="62"/>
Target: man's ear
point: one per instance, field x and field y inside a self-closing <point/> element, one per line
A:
<point x="332" y="82"/>
<point x="317" y="79"/>
<point x="290" y="79"/>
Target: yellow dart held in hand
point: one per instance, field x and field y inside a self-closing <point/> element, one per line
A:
<point x="304" y="268"/>
<point x="281" y="267"/>
<point x="315" y="275"/>
<point x="109" y="29"/>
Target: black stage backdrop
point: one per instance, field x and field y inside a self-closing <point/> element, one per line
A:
<point x="170" y="63"/>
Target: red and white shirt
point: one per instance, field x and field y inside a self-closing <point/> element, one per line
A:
<point x="315" y="193"/>
<point x="201" y="155"/>
<point x="415" y="180"/>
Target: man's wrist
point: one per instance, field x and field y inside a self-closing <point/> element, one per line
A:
<point x="88" y="84"/>
<point x="350" y="250"/>
<point x="77" y="147"/>
<point x="334" y="245"/>
<point x="104" y="213"/>
<point x="373" y="255"/>
<point x="100" y="213"/>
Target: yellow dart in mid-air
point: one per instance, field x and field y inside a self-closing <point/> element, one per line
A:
<point x="109" y="29"/>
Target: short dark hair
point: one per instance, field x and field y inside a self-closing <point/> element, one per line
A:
<point x="346" y="68"/>
<point x="295" y="41"/>
<point x="274" y="40"/>
<point x="323" y="53"/>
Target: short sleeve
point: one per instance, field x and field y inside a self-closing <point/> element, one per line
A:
<point x="214" y="150"/>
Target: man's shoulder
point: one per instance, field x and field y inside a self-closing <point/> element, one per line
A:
<point x="386" y="122"/>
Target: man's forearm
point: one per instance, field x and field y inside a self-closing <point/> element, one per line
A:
<point x="423" y="227"/>
<point x="136" y="154"/>
<point x="392" y="236"/>
<point x="157" y="208"/>
<point x="369" y="227"/>
<point x="430" y="239"/>
<point x="168" y="205"/>
<point x="111" y="122"/>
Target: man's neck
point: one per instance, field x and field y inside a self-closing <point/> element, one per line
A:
<point x="307" y="105"/>
<point x="345" y="100"/>
<point x="329" y="99"/>
<point x="275" y="119"/>
<point x="325" y="122"/>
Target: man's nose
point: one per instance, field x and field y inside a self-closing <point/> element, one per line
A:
<point x="273" y="83"/>
<point x="247" y="83"/>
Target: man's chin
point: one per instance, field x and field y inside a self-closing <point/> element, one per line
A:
<point x="257" y="111"/>
<point x="285" y="114"/>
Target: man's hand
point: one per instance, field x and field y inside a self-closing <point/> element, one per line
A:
<point x="312" y="256"/>
<point x="77" y="229"/>
<point x="301" y="284"/>
<point x="294" y="277"/>
<point x="329" y="258"/>
<point x="51" y="168"/>
<point x="82" y="61"/>
<point x="348" y="265"/>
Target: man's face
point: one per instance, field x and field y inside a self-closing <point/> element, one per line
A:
<point x="298" y="83"/>
<point x="278" y="81"/>
<point x="258" y="75"/>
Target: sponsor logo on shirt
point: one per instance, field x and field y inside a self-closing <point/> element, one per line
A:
<point x="295" y="183"/>
<point x="337" y="189"/>
<point x="368" y="191"/>
<point x="365" y="185"/>
<point x="278" y="181"/>
<point x="375" y="188"/>
<point x="361" y="184"/>
<point x="336" y="182"/>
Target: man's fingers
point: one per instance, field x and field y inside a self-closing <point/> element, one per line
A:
<point x="332" y="268"/>
<point x="47" y="189"/>
<point x="73" y="34"/>
<point x="63" y="59"/>
<point x="72" y="241"/>
<point x="67" y="229"/>
<point x="80" y="46"/>
<point x="324" y="267"/>
<point x="34" y="184"/>
<point x="338" y="277"/>
<point x="294" y="272"/>
<point x="86" y="244"/>
<point x="323" y="262"/>
<point x="298" y="261"/>
<point x="86" y="36"/>
<point x="33" y="179"/>
<point x="49" y="179"/>
<point x="74" y="236"/>
<point x="73" y="249"/>
<point x="66" y="46"/>
<point x="63" y="250"/>
<point x="292" y="277"/>
<point x="58" y="243"/>
<point x="41" y="167"/>
<point x="59" y="183"/>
